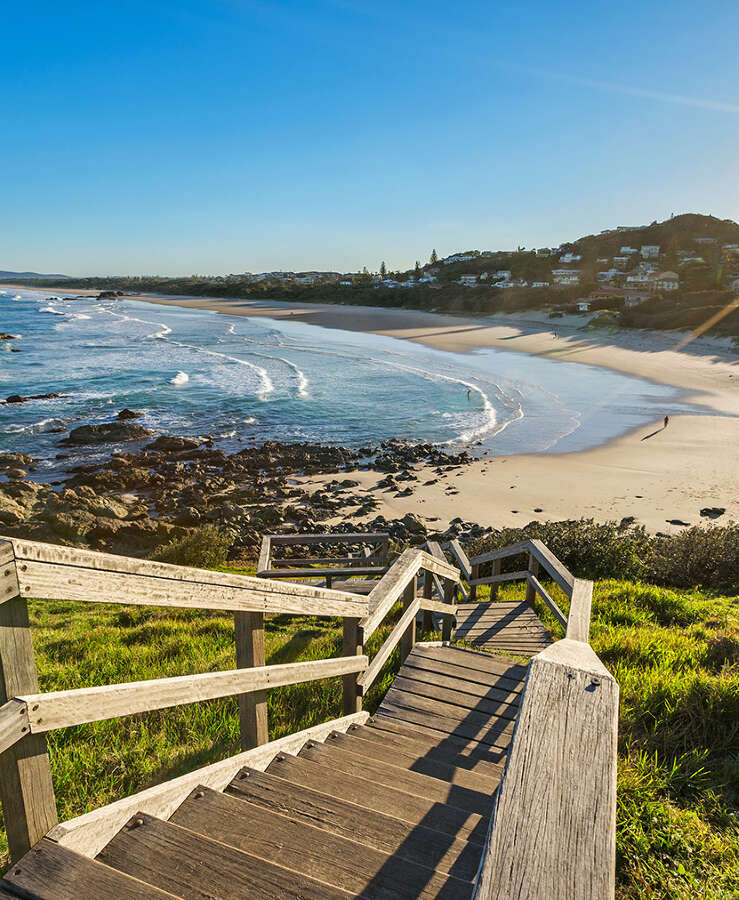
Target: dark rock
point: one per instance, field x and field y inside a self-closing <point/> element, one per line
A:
<point x="16" y="474"/>
<point x="677" y="522"/>
<point x="168" y="443"/>
<point x="7" y="337"/>
<point x="713" y="512"/>
<point x="15" y="460"/>
<point x="107" y="433"/>
<point x="126" y="414"/>
<point x="627" y="520"/>
<point x="19" y="398"/>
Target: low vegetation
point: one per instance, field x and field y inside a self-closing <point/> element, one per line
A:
<point x="675" y="654"/>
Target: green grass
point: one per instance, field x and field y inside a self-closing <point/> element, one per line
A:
<point x="675" y="655"/>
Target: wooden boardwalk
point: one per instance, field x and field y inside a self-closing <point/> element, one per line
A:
<point x="395" y="808"/>
<point x="502" y="627"/>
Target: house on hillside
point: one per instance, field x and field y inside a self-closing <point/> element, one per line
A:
<point x="567" y="258"/>
<point x="628" y="251"/>
<point x="539" y="284"/>
<point x="621" y="262"/>
<point x="583" y="306"/>
<point x="460" y="257"/>
<point x="607" y="275"/>
<point x="566" y="276"/>
<point x="504" y="274"/>
<point x="705" y="240"/>
<point x="666" y="281"/>
<point x="692" y="259"/>
<point x="638" y="279"/>
<point x="467" y="280"/>
<point x="650" y="251"/>
<point x="543" y="252"/>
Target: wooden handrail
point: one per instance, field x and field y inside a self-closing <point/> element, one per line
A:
<point x="61" y="709"/>
<point x="50" y="572"/>
<point x="14" y="723"/>
<point x="552" y="832"/>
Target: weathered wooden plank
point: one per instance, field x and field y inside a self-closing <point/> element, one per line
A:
<point x="502" y="553"/>
<point x="578" y="622"/>
<point x="198" y="868"/>
<point x="331" y="814"/>
<point x="462" y="559"/>
<point x="503" y="576"/>
<point x="357" y="868"/>
<point x="390" y="589"/>
<point x="66" y="573"/>
<point x="90" y="832"/>
<point x="408" y="638"/>
<point x="353" y="641"/>
<point x="429" y="669"/>
<point x="437" y="606"/>
<point x="409" y="708"/>
<point x="447" y="620"/>
<point x="558" y="572"/>
<point x="450" y="708"/>
<point x="60" y="709"/>
<point x="533" y="572"/>
<point x="373" y="537"/>
<point x="13" y="723"/>
<point x="342" y="759"/>
<point x="492" y="702"/>
<point x="8" y="576"/>
<point x="264" y="555"/>
<point x="342" y="572"/>
<point x="547" y="598"/>
<point x="52" y="872"/>
<point x="472" y="659"/>
<point x="383" y="654"/>
<point x="418" y="761"/>
<point x="450" y="820"/>
<point x="26" y="789"/>
<point x="249" y="640"/>
<point x="554" y="827"/>
<point x="297" y="562"/>
<point x="424" y="726"/>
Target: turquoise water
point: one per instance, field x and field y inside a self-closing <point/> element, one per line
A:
<point x="244" y="380"/>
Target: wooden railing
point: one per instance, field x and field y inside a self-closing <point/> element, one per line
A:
<point x="47" y="572"/>
<point x="372" y="558"/>
<point x="553" y="829"/>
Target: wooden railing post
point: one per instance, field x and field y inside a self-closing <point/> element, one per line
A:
<point x="428" y="591"/>
<point x="497" y="563"/>
<point x="450" y="590"/>
<point x="474" y="573"/>
<point x="353" y="646"/>
<point x="409" y="635"/>
<point x="249" y="631"/>
<point x="26" y="789"/>
<point x="534" y="570"/>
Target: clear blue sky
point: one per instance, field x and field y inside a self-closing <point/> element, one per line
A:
<point x="218" y="136"/>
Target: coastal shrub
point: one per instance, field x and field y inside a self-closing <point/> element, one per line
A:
<point x="204" y="548"/>
<point x="706" y="556"/>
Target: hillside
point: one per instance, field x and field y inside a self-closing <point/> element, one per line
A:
<point x="5" y="275"/>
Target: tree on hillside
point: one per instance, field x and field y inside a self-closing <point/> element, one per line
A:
<point x="383" y="269"/>
<point x="417" y="268"/>
<point x="434" y="258"/>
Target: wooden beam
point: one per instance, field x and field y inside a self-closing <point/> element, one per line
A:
<point x="505" y="576"/>
<point x="60" y="709"/>
<point x="428" y="587"/>
<point x="578" y="622"/>
<point x="264" y="555"/>
<point x="502" y="553"/>
<point x="455" y="548"/>
<point x="66" y="573"/>
<point x="447" y="622"/>
<point x="327" y="572"/>
<point x="383" y="654"/>
<point x="372" y="537"/>
<point x="553" y="828"/>
<point x="89" y="833"/>
<point x="353" y="640"/>
<point x="408" y="638"/>
<point x="533" y="571"/>
<point x="390" y="589"/>
<point x="545" y="596"/>
<point x="497" y="564"/>
<point x="249" y="639"/>
<point x="13" y="723"/>
<point x="438" y="607"/>
<point x="8" y="576"/>
<point x="26" y="789"/>
<point x="558" y="572"/>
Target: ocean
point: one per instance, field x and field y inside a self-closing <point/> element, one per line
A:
<point x="244" y="380"/>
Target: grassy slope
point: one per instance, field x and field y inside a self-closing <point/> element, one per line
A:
<point x="675" y="655"/>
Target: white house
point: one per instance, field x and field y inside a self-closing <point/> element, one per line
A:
<point x="628" y="251"/>
<point x="567" y="258"/>
<point x="638" y="279"/>
<point x="621" y="262"/>
<point x="543" y="252"/>
<point x="666" y="281"/>
<point x="650" y="251"/>
<point x="505" y="274"/>
<point x="566" y="276"/>
<point x="607" y="275"/>
<point x="691" y="259"/>
<point x="705" y="240"/>
<point x="583" y="305"/>
<point x="467" y="280"/>
<point x="539" y="284"/>
<point x="459" y="257"/>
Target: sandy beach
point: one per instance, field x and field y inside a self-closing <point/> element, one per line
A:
<point x="662" y="480"/>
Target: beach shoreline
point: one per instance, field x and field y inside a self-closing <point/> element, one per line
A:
<point x="665" y="480"/>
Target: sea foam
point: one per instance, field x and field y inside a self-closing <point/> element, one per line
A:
<point x="180" y="378"/>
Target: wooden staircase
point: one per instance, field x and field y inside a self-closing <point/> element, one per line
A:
<point x="396" y="808"/>
<point x="479" y="775"/>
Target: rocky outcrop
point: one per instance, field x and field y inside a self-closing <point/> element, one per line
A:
<point x="107" y="433"/>
<point x="126" y="414"/>
<point x="20" y="398"/>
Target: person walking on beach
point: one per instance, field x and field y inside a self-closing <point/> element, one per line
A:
<point x="667" y="421"/>
<point x="469" y="393"/>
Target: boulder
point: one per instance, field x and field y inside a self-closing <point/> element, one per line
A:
<point x="107" y="433"/>
<point x="713" y="512"/>
<point x="16" y="474"/>
<point x="168" y="443"/>
<point x="15" y="460"/>
<point x="19" y="398"/>
<point x="126" y="414"/>
<point x="413" y="524"/>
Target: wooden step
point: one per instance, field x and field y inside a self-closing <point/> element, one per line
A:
<point x="344" y="759"/>
<point x="477" y="660"/>
<point x="366" y="793"/>
<point x="424" y="724"/>
<point x="414" y="762"/>
<point x="199" y="868"/>
<point x="52" y="872"/>
<point x="456" y="677"/>
<point x="447" y="717"/>
<point x="490" y="706"/>
<point x="457" y="752"/>
<point x="418" y="844"/>
<point x="346" y="864"/>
